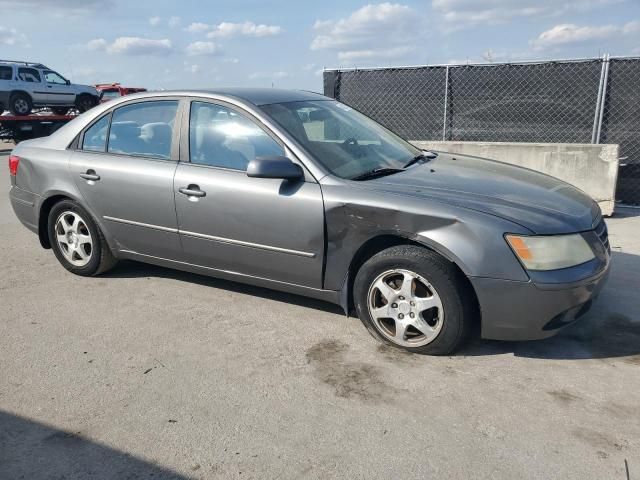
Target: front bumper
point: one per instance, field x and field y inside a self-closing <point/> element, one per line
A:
<point x="514" y="310"/>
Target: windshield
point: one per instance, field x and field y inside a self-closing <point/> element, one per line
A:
<point x="344" y="141"/>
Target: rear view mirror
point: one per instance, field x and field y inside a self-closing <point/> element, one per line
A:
<point x="274" y="167"/>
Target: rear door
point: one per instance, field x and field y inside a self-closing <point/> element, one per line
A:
<point x="30" y="80"/>
<point x="128" y="181"/>
<point x="267" y="228"/>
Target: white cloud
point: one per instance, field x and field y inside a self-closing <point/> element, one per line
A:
<point x="268" y="76"/>
<point x="10" y="36"/>
<point x="569" y="33"/>
<point x="154" y="21"/>
<point x="97" y="44"/>
<point x="197" y="27"/>
<point x="62" y="7"/>
<point x="132" y="46"/>
<point x="248" y="29"/>
<point x="381" y="53"/>
<point x="386" y="30"/>
<point x="631" y="28"/>
<point x="193" y="68"/>
<point x="202" y="48"/>
<point x="174" y="22"/>
<point x="463" y="13"/>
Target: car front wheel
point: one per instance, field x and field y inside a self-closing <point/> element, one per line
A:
<point x="85" y="102"/>
<point x="77" y="241"/>
<point x="412" y="298"/>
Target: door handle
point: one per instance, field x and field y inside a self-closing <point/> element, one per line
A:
<point x="192" y="191"/>
<point x="90" y="175"/>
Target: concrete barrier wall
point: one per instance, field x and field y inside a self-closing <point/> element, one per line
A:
<point x="591" y="168"/>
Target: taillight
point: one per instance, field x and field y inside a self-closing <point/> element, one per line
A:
<point x="14" y="160"/>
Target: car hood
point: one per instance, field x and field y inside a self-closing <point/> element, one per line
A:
<point x="538" y="202"/>
<point x="87" y="89"/>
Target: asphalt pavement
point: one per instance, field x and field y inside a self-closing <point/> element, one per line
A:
<point x="147" y="372"/>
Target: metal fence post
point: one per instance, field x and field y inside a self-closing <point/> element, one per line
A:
<point x="596" y="115"/>
<point x="446" y="103"/>
<point x="604" y="97"/>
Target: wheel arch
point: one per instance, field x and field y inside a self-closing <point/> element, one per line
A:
<point x="43" y="216"/>
<point x="381" y="242"/>
<point x="13" y="92"/>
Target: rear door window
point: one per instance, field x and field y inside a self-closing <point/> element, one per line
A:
<point x="29" y="75"/>
<point x="6" y="72"/>
<point x="143" y="129"/>
<point x="95" y="137"/>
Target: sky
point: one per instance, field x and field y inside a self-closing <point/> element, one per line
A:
<point x="161" y="44"/>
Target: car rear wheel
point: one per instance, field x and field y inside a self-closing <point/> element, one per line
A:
<point x="85" y="102"/>
<point x="20" y="104"/>
<point x="412" y="298"/>
<point x="77" y="241"/>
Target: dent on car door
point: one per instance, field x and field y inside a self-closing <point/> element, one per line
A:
<point x="262" y="227"/>
<point x="128" y="180"/>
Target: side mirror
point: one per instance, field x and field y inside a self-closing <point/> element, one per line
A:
<point x="274" y="167"/>
<point x="68" y="82"/>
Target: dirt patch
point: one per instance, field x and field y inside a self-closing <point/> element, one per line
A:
<point x="624" y="412"/>
<point x="563" y="396"/>
<point x="354" y="380"/>
<point x="600" y="440"/>
<point x="395" y="355"/>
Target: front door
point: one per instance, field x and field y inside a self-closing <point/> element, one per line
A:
<point x="128" y="181"/>
<point x="58" y="92"/>
<point x="267" y="228"/>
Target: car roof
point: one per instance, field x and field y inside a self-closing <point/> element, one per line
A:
<point x="22" y="63"/>
<point x="255" y="96"/>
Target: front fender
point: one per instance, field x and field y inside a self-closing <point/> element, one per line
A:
<point x="472" y="240"/>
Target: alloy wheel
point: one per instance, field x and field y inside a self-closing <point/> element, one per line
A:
<point x="405" y="308"/>
<point x="74" y="238"/>
<point x="21" y="106"/>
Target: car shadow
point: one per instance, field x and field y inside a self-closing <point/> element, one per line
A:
<point x="611" y="329"/>
<point x="133" y="269"/>
<point x="32" y="450"/>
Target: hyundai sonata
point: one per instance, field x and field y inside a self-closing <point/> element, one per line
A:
<point x="294" y="191"/>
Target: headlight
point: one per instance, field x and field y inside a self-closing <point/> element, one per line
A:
<point x="550" y="252"/>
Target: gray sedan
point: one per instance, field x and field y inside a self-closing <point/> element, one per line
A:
<point x="294" y="191"/>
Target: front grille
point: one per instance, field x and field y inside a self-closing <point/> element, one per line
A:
<point x="603" y="234"/>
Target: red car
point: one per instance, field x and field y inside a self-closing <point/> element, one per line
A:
<point x="109" y="91"/>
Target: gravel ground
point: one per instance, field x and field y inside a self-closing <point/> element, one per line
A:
<point x="149" y="372"/>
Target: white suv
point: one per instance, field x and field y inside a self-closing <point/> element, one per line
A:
<point x="25" y="85"/>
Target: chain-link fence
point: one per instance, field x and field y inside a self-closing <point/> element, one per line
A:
<point x="569" y="101"/>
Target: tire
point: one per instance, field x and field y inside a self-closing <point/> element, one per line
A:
<point x="429" y="300"/>
<point x="87" y="252"/>
<point x="60" y="110"/>
<point x="20" y="104"/>
<point x="85" y="102"/>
